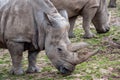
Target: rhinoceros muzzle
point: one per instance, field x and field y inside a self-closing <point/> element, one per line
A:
<point x="65" y="71"/>
<point x="104" y="30"/>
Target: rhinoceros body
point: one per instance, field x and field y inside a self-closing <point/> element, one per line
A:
<point x="36" y="25"/>
<point x="91" y="10"/>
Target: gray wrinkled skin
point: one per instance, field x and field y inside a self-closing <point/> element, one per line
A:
<point x="36" y="25"/>
<point x="91" y="10"/>
<point x="112" y="4"/>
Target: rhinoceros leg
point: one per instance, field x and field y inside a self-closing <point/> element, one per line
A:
<point x="32" y="62"/>
<point x="16" y="50"/>
<point x="72" y="22"/>
<point x="88" y="15"/>
<point x="112" y="4"/>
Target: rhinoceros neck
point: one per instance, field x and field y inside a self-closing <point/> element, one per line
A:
<point x="39" y="8"/>
<point x="102" y="4"/>
<point x="44" y="6"/>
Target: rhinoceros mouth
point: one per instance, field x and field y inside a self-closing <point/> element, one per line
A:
<point x="103" y="31"/>
<point x="66" y="69"/>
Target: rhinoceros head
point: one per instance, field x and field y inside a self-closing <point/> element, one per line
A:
<point x="102" y="18"/>
<point x="58" y="47"/>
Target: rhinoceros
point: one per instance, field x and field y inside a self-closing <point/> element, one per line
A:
<point x="94" y="11"/>
<point x="36" y="25"/>
<point x="112" y="4"/>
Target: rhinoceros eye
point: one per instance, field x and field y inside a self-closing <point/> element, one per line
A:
<point x="59" y="49"/>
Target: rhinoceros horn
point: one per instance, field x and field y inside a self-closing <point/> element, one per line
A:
<point x="73" y="47"/>
<point x="81" y="57"/>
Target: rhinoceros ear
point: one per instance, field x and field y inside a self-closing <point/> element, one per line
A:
<point x="64" y="14"/>
<point x="51" y="20"/>
<point x="48" y="18"/>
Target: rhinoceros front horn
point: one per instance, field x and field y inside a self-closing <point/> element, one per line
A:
<point x="81" y="57"/>
<point x="73" y="47"/>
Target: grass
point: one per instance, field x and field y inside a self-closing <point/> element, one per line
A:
<point x="103" y="66"/>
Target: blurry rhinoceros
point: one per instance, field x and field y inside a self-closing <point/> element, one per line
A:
<point x="36" y="25"/>
<point x="112" y="4"/>
<point x="91" y="10"/>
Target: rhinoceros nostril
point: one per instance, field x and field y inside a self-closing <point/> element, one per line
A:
<point x="108" y="29"/>
<point x="64" y="70"/>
